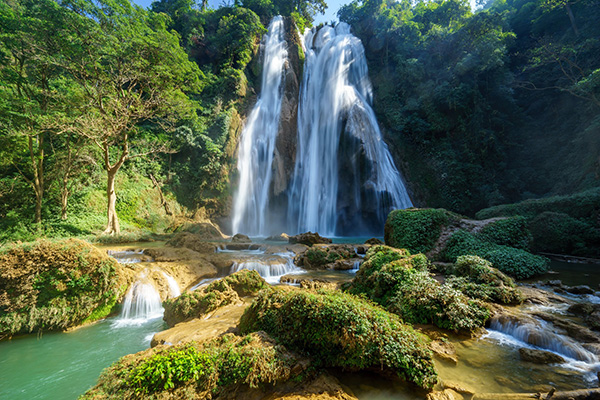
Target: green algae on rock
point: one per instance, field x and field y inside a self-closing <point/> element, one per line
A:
<point x="56" y="285"/>
<point x="340" y="330"/>
<point x="217" y="294"/>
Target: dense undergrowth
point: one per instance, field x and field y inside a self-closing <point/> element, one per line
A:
<point x="402" y="284"/>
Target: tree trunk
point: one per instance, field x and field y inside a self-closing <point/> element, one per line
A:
<point x="64" y="200"/>
<point x="37" y="164"/>
<point x="112" y="226"/>
<point x="163" y="201"/>
<point x="571" y="18"/>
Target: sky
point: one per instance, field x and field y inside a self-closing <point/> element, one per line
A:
<point x="330" y="13"/>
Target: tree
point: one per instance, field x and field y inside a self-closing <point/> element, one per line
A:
<point x="32" y="37"/>
<point x="132" y="71"/>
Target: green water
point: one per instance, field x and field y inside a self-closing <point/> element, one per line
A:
<point x="64" y="365"/>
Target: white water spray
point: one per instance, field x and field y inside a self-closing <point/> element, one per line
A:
<point x="174" y="289"/>
<point x="335" y="99"/>
<point x="142" y="303"/>
<point x="257" y="144"/>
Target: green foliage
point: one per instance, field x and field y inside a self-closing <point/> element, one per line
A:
<point x="514" y="262"/>
<point x="559" y="224"/>
<point x="512" y="232"/>
<point x="217" y="294"/>
<point x="476" y="278"/>
<point x="416" y="229"/>
<point x="55" y="285"/>
<point x="401" y="283"/>
<point x="207" y="368"/>
<point x="339" y="330"/>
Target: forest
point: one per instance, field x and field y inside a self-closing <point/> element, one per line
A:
<point x="111" y="110"/>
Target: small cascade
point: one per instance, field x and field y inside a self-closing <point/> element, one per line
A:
<point x="345" y="179"/>
<point x="142" y="303"/>
<point x="126" y="256"/>
<point x="271" y="270"/>
<point x="257" y="145"/>
<point x="356" y="266"/>
<point x="540" y="334"/>
<point x="174" y="290"/>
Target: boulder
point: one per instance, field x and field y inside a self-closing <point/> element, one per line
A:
<point x="283" y="237"/>
<point x="446" y="394"/>
<point x="373" y="241"/>
<point x="444" y="350"/>
<point x="309" y="239"/>
<point x="540" y="356"/>
<point x="581" y="289"/>
<point x="240" y="238"/>
<point x="192" y="242"/>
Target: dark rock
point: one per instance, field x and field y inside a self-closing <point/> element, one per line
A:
<point x="240" y="238"/>
<point x="556" y="282"/>
<point x="373" y="241"/>
<point x="581" y="308"/>
<point x="309" y="239"/>
<point x="581" y="289"/>
<point x="540" y="356"/>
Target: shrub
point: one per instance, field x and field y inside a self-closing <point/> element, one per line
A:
<point x="55" y="285"/>
<point x="476" y="278"/>
<point x="561" y="233"/>
<point x="512" y="232"/>
<point x="217" y="294"/>
<point x="340" y="330"/>
<point x="416" y="229"/>
<point x="206" y="369"/>
<point x="404" y="287"/>
<point x="515" y="262"/>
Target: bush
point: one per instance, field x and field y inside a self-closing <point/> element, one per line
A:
<point x="217" y="294"/>
<point x="515" y="262"/>
<point x="402" y="284"/>
<point x="513" y="232"/>
<point x="476" y="278"/>
<point x="416" y="229"/>
<point x="340" y="330"/>
<point x="561" y="233"/>
<point x="55" y="285"/>
<point x="205" y="369"/>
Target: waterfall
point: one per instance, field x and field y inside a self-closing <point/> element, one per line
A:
<point x="142" y="303"/>
<point x="270" y="270"/>
<point x="335" y="108"/>
<point x="257" y="143"/>
<point x="174" y="289"/>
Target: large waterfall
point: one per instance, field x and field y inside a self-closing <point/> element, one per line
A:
<point x="258" y="139"/>
<point x="337" y="135"/>
<point x="344" y="181"/>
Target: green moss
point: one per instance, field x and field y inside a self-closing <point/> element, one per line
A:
<point x="515" y="262"/>
<point x="54" y="286"/>
<point x="203" y="369"/>
<point x="512" y="231"/>
<point x="402" y="284"/>
<point x="217" y="294"/>
<point x="341" y="330"/>
<point x="315" y="257"/>
<point x="416" y="229"/>
<point x="476" y="278"/>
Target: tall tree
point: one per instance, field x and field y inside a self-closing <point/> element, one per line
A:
<point x="133" y="72"/>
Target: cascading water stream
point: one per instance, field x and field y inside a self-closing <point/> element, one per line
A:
<point x="335" y="107"/>
<point x="142" y="303"/>
<point x="257" y="144"/>
<point x="174" y="289"/>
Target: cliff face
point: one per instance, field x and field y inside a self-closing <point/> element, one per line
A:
<point x="285" y="147"/>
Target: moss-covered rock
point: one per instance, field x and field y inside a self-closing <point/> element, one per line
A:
<point x="476" y="278"/>
<point x="217" y="294"/>
<point x="401" y="282"/>
<point x="417" y="229"/>
<point x="195" y="370"/>
<point x="515" y="262"/>
<point x="56" y="285"/>
<point x="324" y="256"/>
<point x="511" y="231"/>
<point x="340" y="330"/>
